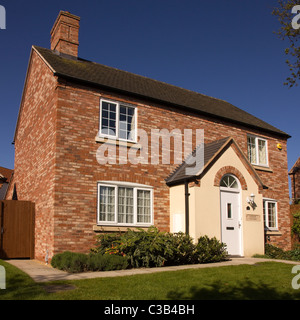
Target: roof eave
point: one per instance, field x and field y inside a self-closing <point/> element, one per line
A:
<point x="90" y="83"/>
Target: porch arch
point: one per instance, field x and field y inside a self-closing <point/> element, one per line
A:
<point x="230" y="170"/>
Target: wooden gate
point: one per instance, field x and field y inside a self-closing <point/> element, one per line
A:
<point x="17" y="229"/>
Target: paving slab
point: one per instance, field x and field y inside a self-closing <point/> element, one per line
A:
<point x="41" y="272"/>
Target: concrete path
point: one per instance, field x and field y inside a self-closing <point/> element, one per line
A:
<point x="40" y="272"/>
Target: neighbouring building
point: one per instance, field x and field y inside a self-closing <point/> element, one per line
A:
<point x="294" y="174"/>
<point x="5" y="177"/>
<point x="75" y="114"/>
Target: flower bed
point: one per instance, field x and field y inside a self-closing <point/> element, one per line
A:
<point x="137" y="249"/>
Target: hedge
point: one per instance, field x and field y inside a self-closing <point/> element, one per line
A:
<point x="79" y="262"/>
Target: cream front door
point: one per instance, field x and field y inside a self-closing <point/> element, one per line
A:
<point x="231" y="221"/>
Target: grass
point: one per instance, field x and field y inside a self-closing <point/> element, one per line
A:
<point x="268" y="280"/>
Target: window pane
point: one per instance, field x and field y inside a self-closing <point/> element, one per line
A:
<point x="104" y="114"/>
<point x="125" y="205"/>
<point x="144" y="206"/>
<point x="229" y="212"/>
<point x="229" y="182"/>
<point x="272" y="214"/>
<point x="262" y="152"/>
<point x="108" y="118"/>
<point x="251" y="150"/>
<point x="107" y="204"/>
<point x="126" y="122"/>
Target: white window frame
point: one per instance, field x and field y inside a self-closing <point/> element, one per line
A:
<point x="117" y="135"/>
<point x="135" y="188"/>
<point x="257" y="163"/>
<point x="266" y="201"/>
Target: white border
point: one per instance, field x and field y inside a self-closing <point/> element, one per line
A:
<point x="135" y="186"/>
<point x="117" y="135"/>
<point x="257" y="151"/>
<point x="265" y="200"/>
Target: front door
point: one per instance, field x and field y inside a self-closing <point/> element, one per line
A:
<point x="231" y="221"/>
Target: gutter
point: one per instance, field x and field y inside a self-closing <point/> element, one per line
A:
<point x="278" y="133"/>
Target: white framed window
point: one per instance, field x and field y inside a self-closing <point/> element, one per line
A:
<point x="270" y="214"/>
<point x="257" y="150"/>
<point x="229" y="181"/>
<point x="118" y="120"/>
<point x="121" y="203"/>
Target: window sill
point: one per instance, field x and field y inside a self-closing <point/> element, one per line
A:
<point x="273" y="233"/>
<point x="97" y="228"/>
<point x="261" y="168"/>
<point x="118" y="142"/>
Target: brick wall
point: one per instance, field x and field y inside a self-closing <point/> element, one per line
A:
<point x="35" y="150"/>
<point x="56" y="164"/>
<point x="78" y="170"/>
<point x="295" y="180"/>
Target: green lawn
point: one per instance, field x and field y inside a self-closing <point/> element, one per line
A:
<point x="268" y="280"/>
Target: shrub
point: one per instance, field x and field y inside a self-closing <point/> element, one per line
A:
<point x="296" y="225"/>
<point x="99" y="262"/>
<point x="70" y="261"/>
<point x="106" y="241"/>
<point x="181" y="249"/>
<point x="295" y="254"/>
<point x="78" y="262"/>
<point x="210" y="250"/>
<point x="274" y="252"/>
<point x="143" y="248"/>
<point x="152" y="248"/>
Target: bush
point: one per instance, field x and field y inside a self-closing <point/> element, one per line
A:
<point x="181" y="249"/>
<point x="295" y="254"/>
<point x="107" y="241"/>
<point x="143" y="248"/>
<point x="78" y="262"/>
<point x="296" y="225"/>
<point x="70" y="261"/>
<point x="274" y="252"/>
<point x="98" y="262"/>
<point x="210" y="250"/>
<point x="152" y="248"/>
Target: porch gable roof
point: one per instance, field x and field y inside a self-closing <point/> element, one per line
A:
<point x="212" y="151"/>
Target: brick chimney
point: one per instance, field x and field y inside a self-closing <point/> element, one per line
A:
<point x="65" y="34"/>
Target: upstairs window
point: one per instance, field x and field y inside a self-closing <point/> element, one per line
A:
<point x="117" y="120"/>
<point x="257" y="151"/>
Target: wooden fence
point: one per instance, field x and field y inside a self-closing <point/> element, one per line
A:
<point x="17" y="223"/>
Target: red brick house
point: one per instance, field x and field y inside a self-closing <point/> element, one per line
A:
<point x="295" y="180"/>
<point x="72" y="109"/>
<point x="5" y="178"/>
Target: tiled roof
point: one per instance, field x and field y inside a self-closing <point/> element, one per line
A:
<point x="6" y="173"/>
<point x="296" y="167"/>
<point x="95" y="74"/>
<point x="209" y="151"/>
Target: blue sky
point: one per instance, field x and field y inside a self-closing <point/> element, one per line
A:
<point x="225" y="49"/>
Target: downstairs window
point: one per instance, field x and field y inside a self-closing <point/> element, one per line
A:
<point x="270" y="214"/>
<point x="124" y="204"/>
